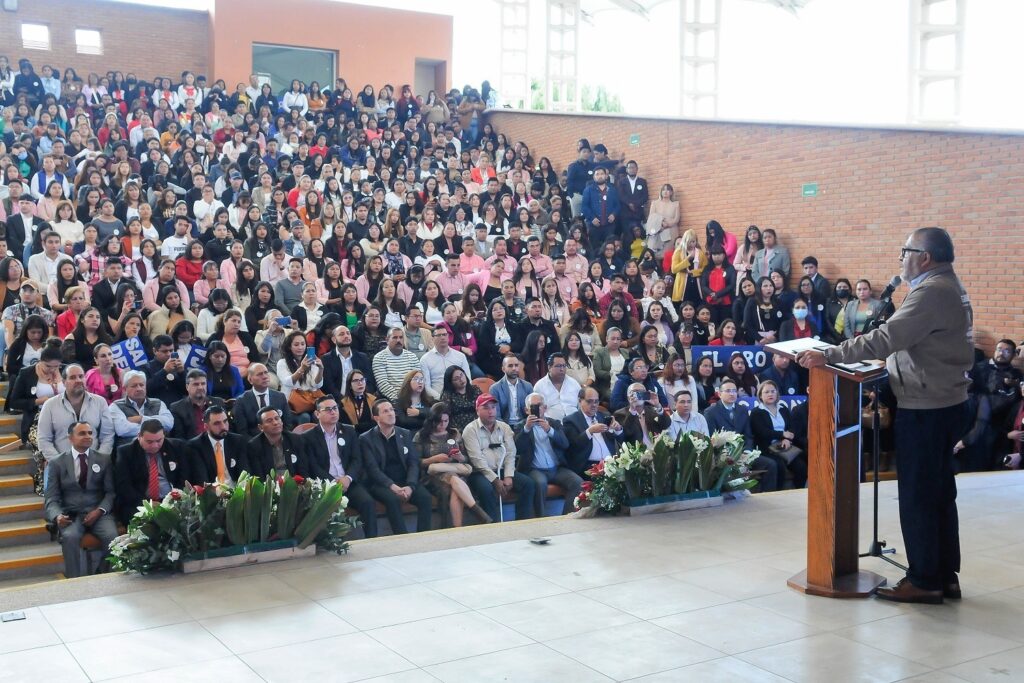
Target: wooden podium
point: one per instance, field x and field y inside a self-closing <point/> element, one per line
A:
<point x="833" y="479"/>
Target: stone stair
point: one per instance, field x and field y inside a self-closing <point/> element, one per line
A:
<point x="26" y="551"/>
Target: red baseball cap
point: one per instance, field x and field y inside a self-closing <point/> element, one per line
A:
<point x="484" y="399"/>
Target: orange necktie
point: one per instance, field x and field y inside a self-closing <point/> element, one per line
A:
<point x="218" y="452"/>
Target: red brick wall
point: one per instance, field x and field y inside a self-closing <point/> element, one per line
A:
<point x="874" y="186"/>
<point x="148" y="41"/>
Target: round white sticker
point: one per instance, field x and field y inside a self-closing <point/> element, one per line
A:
<point x="173" y="465"/>
<point x="113" y="387"/>
<point x="778" y="314"/>
<point x="245" y="349"/>
<point x="295" y="458"/>
<point x="405" y="449"/>
<point x="821" y="307"/>
<point x="96" y="468"/>
<point x="451" y="442"/>
<point x="116" y="232"/>
<point x="33" y="391"/>
<point x="341" y="441"/>
<point x="170" y="377"/>
<point x="420" y="347"/>
<point x="792" y="390"/>
<point x="232" y="463"/>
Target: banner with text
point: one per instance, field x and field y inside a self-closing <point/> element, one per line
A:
<point x="129" y="354"/>
<point x="757" y="357"/>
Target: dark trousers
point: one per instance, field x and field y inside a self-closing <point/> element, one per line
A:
<point x="562" y="476"/>
<point x="927" y="491"/>
<point x="360" y="499"/>
<point x="393" y="504"/>
<point x="487" y="497"/>
<point x="771" y="479"/>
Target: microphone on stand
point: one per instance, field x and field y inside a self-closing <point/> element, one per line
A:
<point x="887" y="308"/>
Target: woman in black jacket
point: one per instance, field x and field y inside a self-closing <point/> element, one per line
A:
<point x="36" y="384"/>
<point x="497" y="338"/>
<point x="762" y="315"/>
<point x="772" y="427"/>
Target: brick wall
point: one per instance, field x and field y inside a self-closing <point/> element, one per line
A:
<point x="148" y="41"/>
<point x="874" y="186"/>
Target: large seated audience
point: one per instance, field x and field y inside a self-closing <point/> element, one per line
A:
<point x="377" y="287"/>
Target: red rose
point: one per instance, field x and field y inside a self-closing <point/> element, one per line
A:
<point x="175" y="494"/>
<point x="299" y="479"/>
<point x="280" y="481"/>
<point x="199" y="490"/>
<point x="588" y="486"/>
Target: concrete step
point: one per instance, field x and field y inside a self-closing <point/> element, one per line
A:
<point x="15" y="584"/>
<point x="15" y="484"/>
<point x="8" y="420"/>
<point x="26" y="532"/>
<point x="36" y="559"/>
<point x="18" y="462"/>
<point x="20" y="507"/>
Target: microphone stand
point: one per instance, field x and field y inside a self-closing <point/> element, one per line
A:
<point x="878" y="547"/>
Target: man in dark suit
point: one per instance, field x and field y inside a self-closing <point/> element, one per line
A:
<point x="333" y="455"/>
<point x="250" y="403"/>
<point x="104" y="292"/>
<point x="642" y="419"/>
<point x="149" y="467"/>
<point x="633" y="194"/>
<point x="729" y="416"/>
<point x="593" y="434"/>
<point x="165" y="376"/>
<point x="80" y="496"/>
<point x="541" y="445"/>
<point x="822" y="287"/>
<point x="21" y="226"/>
<point x="512" y="413"/>
<point x="221" y="455"/>
<point x="392" y="463"/>
<point x="273" y="448"/>
<point x="343" y="360"/>
<point x="189" y="412"/>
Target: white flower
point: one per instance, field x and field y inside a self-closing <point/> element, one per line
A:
<point x="719" y="439"/>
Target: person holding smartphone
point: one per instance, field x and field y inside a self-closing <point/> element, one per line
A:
<point x="643" y="418"/>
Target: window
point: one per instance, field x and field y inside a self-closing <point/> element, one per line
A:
<point x="88" y="41"/>
<point x="35" y="36"/>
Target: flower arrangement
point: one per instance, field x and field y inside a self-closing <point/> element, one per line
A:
<point x="200" y="519"/>
<point x="690" y="463"/>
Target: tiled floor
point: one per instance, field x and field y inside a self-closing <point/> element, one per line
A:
<point x="692" y="596"/>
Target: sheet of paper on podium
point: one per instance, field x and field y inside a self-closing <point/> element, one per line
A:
<point x="794" y="346"/>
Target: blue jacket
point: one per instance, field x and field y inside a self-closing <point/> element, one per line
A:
<point x="620" y="400"/>
<point x="591" y="207"/>
<point x="737" y="420"/>
<point x="499" y="390"/>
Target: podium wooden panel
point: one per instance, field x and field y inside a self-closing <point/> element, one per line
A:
<point x="833" y="483"/>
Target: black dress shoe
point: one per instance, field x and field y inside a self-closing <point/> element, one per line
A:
<point x="951" y="591"/>
<point x="904" y="591"/>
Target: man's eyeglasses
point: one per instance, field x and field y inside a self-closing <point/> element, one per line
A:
<point x="559" y="366"/>
<point x="330" y="409"/>
<point x="909" y="250"/>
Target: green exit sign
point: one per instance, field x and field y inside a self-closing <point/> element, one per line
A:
<point x="810" y="190"/>
<point x="634" y="139"/>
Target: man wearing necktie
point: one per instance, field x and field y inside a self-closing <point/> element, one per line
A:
<point x="221" y="454"/>
<point x="79" y="496"/>
<point x="150" y="466"/>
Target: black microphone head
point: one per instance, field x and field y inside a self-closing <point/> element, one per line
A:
<point x="896" y="281"/>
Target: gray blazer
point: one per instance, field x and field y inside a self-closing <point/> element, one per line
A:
<point x="850" y="315"/>
<point x="63" y="494"/>
<point x="778" y="261"/>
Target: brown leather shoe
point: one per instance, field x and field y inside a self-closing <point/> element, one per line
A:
<point x="951" y="591"/>
<point x="904" y="591"/>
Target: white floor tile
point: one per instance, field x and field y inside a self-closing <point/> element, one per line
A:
<point x="52" y="664"/>
<point x="391" y="606"/>
<point x="529" y="664"/>
<point x="77" y="620"/>
<point x="140" y="652"/>
<point x="443" y="639"/>
<point x="736" y="627"/>
<point x="339" y="659"/>
<point x="269" y="628"/>
<point x="545" y="619"/>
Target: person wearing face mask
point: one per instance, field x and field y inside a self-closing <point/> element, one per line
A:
<point x="798" y="325"/>
<point x="834" y="308"/>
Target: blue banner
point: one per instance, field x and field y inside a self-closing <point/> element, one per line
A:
<point x="196" y="358"/>
<point x="788" y="401"/>
<point x="757" y="357"/>
<point x="129" y="354"/>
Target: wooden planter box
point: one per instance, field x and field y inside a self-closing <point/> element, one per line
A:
<point x="242" y="555"/>
<point x="675" y="502"/>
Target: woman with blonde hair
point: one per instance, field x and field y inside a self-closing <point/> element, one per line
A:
<point x="688" y="264"/>
<point x="666" y="207"/>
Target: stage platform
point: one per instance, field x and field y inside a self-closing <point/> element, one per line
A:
<point x="690" y="596"/>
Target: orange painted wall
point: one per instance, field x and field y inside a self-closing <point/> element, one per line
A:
<point x="375" y="46"/>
